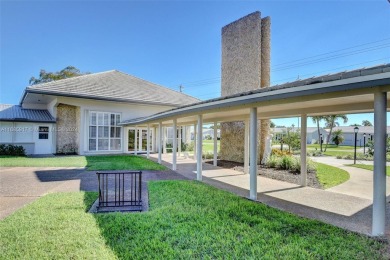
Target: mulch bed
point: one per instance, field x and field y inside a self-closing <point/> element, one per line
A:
<point x="272" y="173"/>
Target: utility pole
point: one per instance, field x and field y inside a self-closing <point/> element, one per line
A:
<point x="181" y="88"/>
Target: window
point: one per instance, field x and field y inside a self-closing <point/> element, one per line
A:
<point x="43" y="132"/>
<point x="104" y="131"/>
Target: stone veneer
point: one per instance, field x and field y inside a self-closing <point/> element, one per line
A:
<point x="68" y="129"/>
<point x="245" y="67"/>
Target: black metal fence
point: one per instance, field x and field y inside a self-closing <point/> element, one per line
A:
<point x="120" y="191"/>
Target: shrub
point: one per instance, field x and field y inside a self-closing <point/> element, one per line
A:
<point x="286" y="162"/>
<point x="290" y="163"/>
<point x="272" y="161"/>
<point x="13" y="150"/>
<point x="339" y="156"/>
<point x="278" y="152"/>
<point x="190" y="146"/>
<point x="348" y="157"/>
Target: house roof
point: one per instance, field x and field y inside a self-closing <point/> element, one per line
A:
<point x="277" y="130"/>
<point x="293" y="98"/>
<point x="17" y="113"/>
<point x="362" y="129"/>
<point x="112" y="86"/>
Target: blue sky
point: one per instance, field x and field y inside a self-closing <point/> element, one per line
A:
<point x="173" y="43"/>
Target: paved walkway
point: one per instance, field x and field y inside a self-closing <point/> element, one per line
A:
<point x="360" y="183"/>
<point x="337" y="208"/>
<point x="22" y="185"/>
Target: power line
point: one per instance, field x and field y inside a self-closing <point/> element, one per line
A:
<point x="386" y="39"/>
<point x="209" y="81"/>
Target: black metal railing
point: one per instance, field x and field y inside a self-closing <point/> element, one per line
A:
<point x="120" y="191"/>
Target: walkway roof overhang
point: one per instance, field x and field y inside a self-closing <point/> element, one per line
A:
<point x="340" y="93"/>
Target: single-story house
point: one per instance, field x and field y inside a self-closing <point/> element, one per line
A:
<point x="82" y="114"/>
<point x="311" y="134"/>
<point x="365" y="134"/>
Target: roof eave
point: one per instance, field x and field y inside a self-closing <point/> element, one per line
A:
<point x="283" y="93"/>
<point x="53" y="93"/>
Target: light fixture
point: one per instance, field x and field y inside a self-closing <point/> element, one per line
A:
<point x="356" y="129"/>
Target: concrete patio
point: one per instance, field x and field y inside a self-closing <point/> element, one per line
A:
<point x="352" y="212"/>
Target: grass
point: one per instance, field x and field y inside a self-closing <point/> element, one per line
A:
<point x="208" y="146"/>
<point x="93" y="163"/>
<point x="186" y="220"/>
<point x="330" y="176"/>
<point x="331" y="147"/>
<point x="369" y="167"/>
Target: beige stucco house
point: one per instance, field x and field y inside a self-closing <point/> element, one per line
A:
<point x="82" y="114"/>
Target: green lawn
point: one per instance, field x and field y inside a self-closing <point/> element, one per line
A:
<point x="333" y="150"/>
<point x="369" y="167"/>
<point x="331" y="147"/>
<point x="330" y="176"/>
<point x="187" y="220"/>
<point x="93" y="163"/>
<point x="208" y="146"/>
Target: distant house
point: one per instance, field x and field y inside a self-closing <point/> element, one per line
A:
<point x="311" y="138"/>
<point x="82" y="114"/>
<point x="349" y="134"/>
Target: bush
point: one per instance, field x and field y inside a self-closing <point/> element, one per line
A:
<point x="13" y="150"/>
<point x="288" y="162"/>
<point x="278" y="152"/>
<point x="190" y="146"/>
<point x="272" y="161"/>
<point x="314" y="153"/>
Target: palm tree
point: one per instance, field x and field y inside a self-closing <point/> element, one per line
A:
<point x="318" y="119"/>
<point x="337" y="137"/>
<point x="331" y="121"/>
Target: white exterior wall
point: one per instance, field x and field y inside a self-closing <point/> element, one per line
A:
<point x="26" y="134"/>
<point x="127" y="111"/>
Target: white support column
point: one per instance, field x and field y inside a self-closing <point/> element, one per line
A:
<point x="199" y="149"/>
<point x="246" y="147"/>
<point x="164" y="140"/>
<point x="136" y="140"/>
<point x="179" y="145"/>
<point x="159" y="141"/>
<point x="195" y="142"/>
<point x="174" y="145"/>
<point x="148" y="142"/>
<point x="379" y="200"/>
<point x="253" y="154"/>
<point x="303" y="150"/>
<point x="215" y="161"/>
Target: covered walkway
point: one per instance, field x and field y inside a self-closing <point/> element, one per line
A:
<point x="350" y="212"/>
<point x="357" y="91"/>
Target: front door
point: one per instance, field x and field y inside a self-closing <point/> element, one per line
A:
<point x="141" y="140"/>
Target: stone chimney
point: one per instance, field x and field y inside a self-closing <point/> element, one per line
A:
<point x="245" y="67"/>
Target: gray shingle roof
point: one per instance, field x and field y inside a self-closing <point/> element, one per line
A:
<point x="17" y="113"/>
<point x="378" y="69"/>
<point x="114" y="86"/>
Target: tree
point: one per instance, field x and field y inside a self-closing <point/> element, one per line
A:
<point x="366" y="123"/>
<point x="355" y="125"/>
<point x="337" y="137"/>
<point x="272" y="124"/>
<point x="331" y="122"/>
<point x="292" y="139"/>
<point x="318" y="119"/>
<point x="67" y="72"/>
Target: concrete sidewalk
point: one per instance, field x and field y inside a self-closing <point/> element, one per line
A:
<point x="343" y="210"/>
<point x="360" y="183"/>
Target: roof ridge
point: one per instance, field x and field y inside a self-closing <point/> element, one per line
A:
<point x="67" y="79"/>
<point x="158" y="85"/>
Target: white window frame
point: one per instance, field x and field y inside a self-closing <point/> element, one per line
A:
<point x="109" y="125"/>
